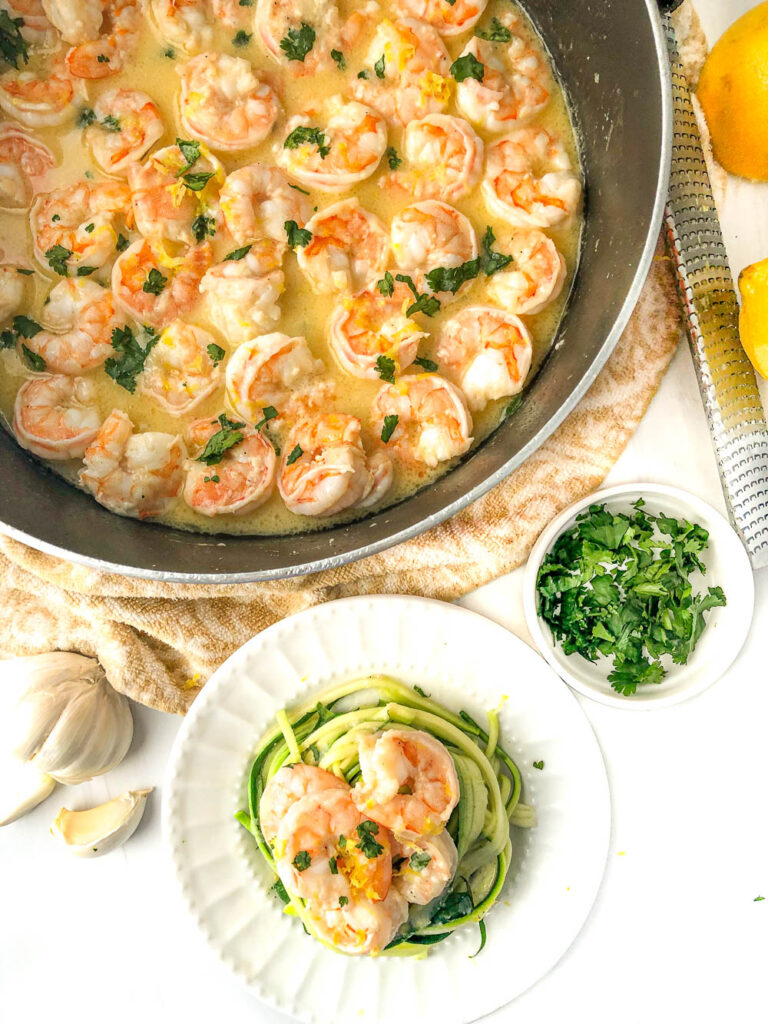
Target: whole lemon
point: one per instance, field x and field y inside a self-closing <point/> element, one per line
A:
<point x="733" y="91"/>
<point x="753" y="318"/>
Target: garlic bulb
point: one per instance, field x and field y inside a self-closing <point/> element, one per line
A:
<point x="22" y="787"/>
<point x="68" y="722"/>
<point x="100" y="829"/>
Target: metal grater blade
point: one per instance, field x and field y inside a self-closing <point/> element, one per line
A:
<point x="726" y="378"/>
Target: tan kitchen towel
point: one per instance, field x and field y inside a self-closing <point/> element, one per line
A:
<point x="159" y="642"/>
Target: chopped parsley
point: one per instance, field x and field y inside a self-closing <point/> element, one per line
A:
<point x="386" y="285"/>
<point x="450" y="279"/>
<point x="280" y="891"/>
<point x="619" y="585"/>
<point x="343" y="901"/>
<point x="57" y="257"/>
<point x="211" y="479"/>
<point x="427" y="304"/>
<point x="388" y="429"/>
<point x="298" y="189"/>
<point x="197" y="180"/>
<point x="102" y="58"/>
<point x="122" y="243"/>
<point x="241" y="37"/>
<point x="125" y="370"/>
<point x="302" y="134"/>
<point x="238" y="254"/>
<point x="190" y="150"/>
<point x="385" y="367"/>
<point x="758" y="899"/>
<point x="216" y="352"/>
<point x="298" y="42"/>
<point x="370" y="847"/>
<point x="169" y="52"/>
<point x="269" y="412"/>
<point x="302" y="860"/>
<point x="33" y="360"/>
<point x="495" y="33"/>
<point x="89" y="228"/>
<point x="85" y="271"/>
<point x="362" y="74"/>
<point x="297" y="452"/>
<point x="419" y="860"/>
<point x="24" y="327"/>
<point x="203" y="227"/>
<point x="393" y="159"/>
<point x="13" y="46"/>
<point x="338" y="58"/>
<point x="429" y="366"/>
<point x="466" y="67"/>
<point x="24" y="271"/>
<point x="378" y="67"/>
<point x="86" y="117"/>
<point x="7" y="339"/>
<point x="342" y="842"/>
<point x="111" y="123"/>
<point x="155" y="282"/>
<point x="492" y="261"/>
<point x="296" y="236"/>
<point x="539" y="765"/>
<point x="333" y="866"/>
<point x="227" y="436"/>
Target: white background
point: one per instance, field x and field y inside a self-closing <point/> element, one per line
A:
<point x="675" y="934"/>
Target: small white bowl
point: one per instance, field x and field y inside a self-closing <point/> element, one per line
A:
<point x="727" y="565"/>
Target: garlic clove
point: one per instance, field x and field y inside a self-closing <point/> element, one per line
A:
<point x="98" y="830"/>
<point x="22" y="787"/>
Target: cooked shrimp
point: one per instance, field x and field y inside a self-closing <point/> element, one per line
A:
<point x="326" y="849"/>
<point x="36" y="29"/>
<point x="433" y="422"/>
<point x="445" y="159"/>
<point x="361" y="927"/>
<point x="79" y="220"/>
<point x="169" y="192"/>
<point x="299" y="34"/>
<point x="24" y="165"/>
<point x="429" y="235"/>
<point x="155" y="287"/>
<point x="242" y="480"/>
<point x="39" y="101"/>
<point x="243" y="294"/>
<point x="427" y="866"/>
<point x="534" y="278"/>
<point x="104" y="53"/>
<point x="56" y="417"/>
<point x="449" y="17"/>
<point x="369" y="325"/>
<point x="349" y="248"/>
<point x="286" y="787"/>
<point x="257" y="201"/>
<point x="528" y="180"/>
<point x="11" y="291"/>
<point x="76" y="21"/>
<point x="133" y="474"/>
<point x="127" y="124"/>
<point x="179" y="371"/>
<point x="409" y="782"/>
<point x="81" y="317"/>
<point x="381" y="474"/>
<point x="183" y="23"/>
<point x="416" y="69"/>
<point x="487" y="352"/>
<point x="230" y="12"/>
<point x="347" y="150"/>
<point x="271" y="370"/>
<point x="224" y="103"/>
<point x="515" y="85"/>
<point x="329" y="469"/>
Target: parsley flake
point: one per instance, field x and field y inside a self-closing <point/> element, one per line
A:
<point x="302" y="860"/>
<point x="269" y="412"/>
<point x="393" y="159"/>
<point x="338" y="57"/>
<point x="302" y="134"/>
<point x="450" y="279"/>
<point x="24" y="327"/>
<point x="343" y="901"/>
<point x="495" y="33"/>
<point x="296" y="236"/>
<point x="388" y="429"/>
<point x="466" y="67"/>
<point x="13" y="46"/>
<point x="419" y="860"/>
<point x="539" y="765"/>
<point x="155" y="282"/>
<point x="386" y="285"/>
<point x="334" y="867"/>
<point x="122" y="243"/>
<point x="298" y="42"/>
<point x="111" y="123"/>
<point x="33" y="360"/>
<point x="86" y="117"/>
<point x="203" y="227"/>
<point x="385" y="367"/>
<point x="493" y="262"/>
<point x="378" y="67"/>
<point x="241" y="38"/>
<point x="427" y="304"/>
<point x="295" y="454"/>
<point x="197" y="180"/>
<point x="362" y="74"/>
<point x="125" y="370"/>
<point x="216" y="352"/>
<point x="227" y="436"/>
<point x="238" y="254"/>
<point x="370" y="847"/>
<point x="190" y="150"/>
<point x="57" y="257"/>
<point x="428" y="366"/>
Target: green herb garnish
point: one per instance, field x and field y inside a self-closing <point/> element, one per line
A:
<point x="429" y="366"/>
<point x="362" y="74"/>
<point x="450" y="279"/>
<point x="241" y="37"/>
<point x="13" y="45"/>
<point x="333" y="866"/>
<point x="57" y="257"/>
<point x="466" y="67"/>
<point x="85" y="271"/>
<point x="296" y="236"/>
<point x="496" y="32"/>
<point x="24" y="327"/>
<point x="386" y="285"/>
<point x="238" y="254"/>
<point x="393" y="159"/>
<point x="618" y="584"/>
<point x="86" y="117"/>
<point x="155" y="282"/>
<point x="298" y="42"/>
<point x="196" y="181"/>
<point x="492" y="261"/>
<point x="33" y="360"/>
<point x="388" y="429"/>
<point x="302" y="860"/>
<point x="366" y="830"/>
<point x="227" y="436"/>
<point x="111" y="123"/>
<point x="343" y="901"/>
<point x="385" y="367"/>
<point x="190" y="150"/>
<point x="24" y="271"/>
<point x="216" y="352"/>
<point x="419" y="860"/>
<point x="338" y="57"/>
<point x="539" y="765"/>
<point x="298" y="189"/>
<point x="280" y="891"/>
<point x="122" y="243"/>
<point x="378" y="67"/>
<point x="301" y="134"/>
<point x="203" y="227"/>
<point x="125" y="370"/>
<point x="427" y="304"/>
<point x="269" y="412"/>
<point x="295" y="454"/>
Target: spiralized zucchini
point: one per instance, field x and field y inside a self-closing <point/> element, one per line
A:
<point x="324" y="732"/>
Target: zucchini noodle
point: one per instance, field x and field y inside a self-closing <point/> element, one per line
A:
<point x="324" y="732"/>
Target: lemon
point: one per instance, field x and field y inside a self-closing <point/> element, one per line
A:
<point x="733" y="91"/>
<point x="753" y="318"/>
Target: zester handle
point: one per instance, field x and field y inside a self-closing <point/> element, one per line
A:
<point x="725" y="375"/>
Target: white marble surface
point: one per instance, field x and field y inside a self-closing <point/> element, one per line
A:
<point x="675" y="934"/>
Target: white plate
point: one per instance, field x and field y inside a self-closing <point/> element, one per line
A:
<point x="727" y="628"/>
<point x="466" y="662"/>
